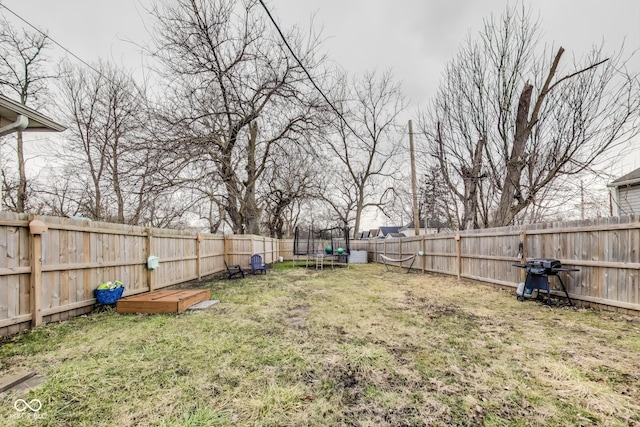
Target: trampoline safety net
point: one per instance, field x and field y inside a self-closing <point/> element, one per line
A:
<point x="330" y="241"/>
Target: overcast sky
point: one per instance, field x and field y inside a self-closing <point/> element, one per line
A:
<point x="415" y="38"/>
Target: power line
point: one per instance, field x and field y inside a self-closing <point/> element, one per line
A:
<point x="91" y="67"/>
<point x="284" y="39"/>
<point x="52" y="40"/>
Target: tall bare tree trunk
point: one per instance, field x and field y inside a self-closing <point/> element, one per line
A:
<point x="228" y="178"/>
<point x="251" y="210"/>
<point x="359" y="209"/>
<point x="117" y="188"/>
<point x="471" y="178"/>
<point x="21" y="196"/>
<point x="507" y="209"/>
<point x="511" y="186"/>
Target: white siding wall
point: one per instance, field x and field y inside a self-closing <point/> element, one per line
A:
<point x="411" y="232"/>
<point x="628" y="200"/>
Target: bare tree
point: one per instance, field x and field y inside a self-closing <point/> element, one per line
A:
<point x="212" y="212"/>
<point x="434" y="200"/>
<point x="59" y="197"/>
<point x="235" y="97"/>
<point x="23" y="76"/>
<point x="509" y="119"/>
<point x="293" y="178"/>
<point x="436" y="206"/>
<point x="366" y="148"/>
<point x="115" y="166"/>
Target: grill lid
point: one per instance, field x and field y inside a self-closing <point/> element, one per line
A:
<point x="546" y="263"/>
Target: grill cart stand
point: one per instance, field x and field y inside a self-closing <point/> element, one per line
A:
<point x="538" y="272"/>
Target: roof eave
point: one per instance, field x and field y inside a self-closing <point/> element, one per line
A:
<point x="10" y="110"/>
<point x="624" y="183"/>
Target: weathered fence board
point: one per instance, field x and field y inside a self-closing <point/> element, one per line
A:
<point x="605" y="250"/>
<point x="76" y="256"/>
<point x="286" y="248"/>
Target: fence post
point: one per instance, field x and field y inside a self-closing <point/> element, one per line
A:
<point x="199" y="240"/>
<point x="424" y="253"/>
<point x="224" y="249"/>
<point x="459" y="253"/>
<point x="384" y="247"/>
<point x="274" y="250"/>
<point x="149" y="272"/>
<point x="523" y="252"/>
<point x="523" y="249"/>
<point x="36" y="229"/>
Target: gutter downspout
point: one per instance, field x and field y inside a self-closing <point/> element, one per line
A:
<point x="21" y="123"/>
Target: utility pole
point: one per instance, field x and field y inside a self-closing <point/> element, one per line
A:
<point x="581" y="201"/>
<point x="414" y="185"/>
<point x="610" y="203"/>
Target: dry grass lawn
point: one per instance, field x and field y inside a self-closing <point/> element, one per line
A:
<point x="352" y="347"/>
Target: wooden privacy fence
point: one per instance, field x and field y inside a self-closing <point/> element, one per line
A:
<point x="607" y="252"/>
<point x="48" y="275"/>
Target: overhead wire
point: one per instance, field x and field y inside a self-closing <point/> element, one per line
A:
<point x="273" y="21"/>
<point x="315" y="85"/>
<point x="52" y="40"/>
<point x="44" y="34"/>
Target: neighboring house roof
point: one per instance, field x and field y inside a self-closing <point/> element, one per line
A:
<point x="10" y="111"/>
<point x="631" y="178"/>
<point x="412" y="225"/>
<point x="374" y="232"/>
<point x="386" y="230"/>
<point x="432" y="223"/>
<point x="390" y="235"/>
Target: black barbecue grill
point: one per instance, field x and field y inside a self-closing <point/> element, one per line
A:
<point x="538" y="272"/>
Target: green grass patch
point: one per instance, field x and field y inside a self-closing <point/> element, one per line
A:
<point x="350" y="346"/>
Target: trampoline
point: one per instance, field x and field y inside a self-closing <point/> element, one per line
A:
<point x="330" y="244"/>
